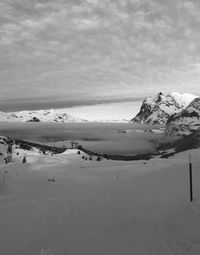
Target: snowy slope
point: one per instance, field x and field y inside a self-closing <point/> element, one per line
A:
<point x="96" y="208"/>
<point x="39" y="115"/>
<point x="157" y="109"/>
<point x="183" y="99"/>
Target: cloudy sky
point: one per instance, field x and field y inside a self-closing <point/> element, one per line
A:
<point x="88" y="49"/>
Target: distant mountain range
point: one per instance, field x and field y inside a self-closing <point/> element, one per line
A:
<point x="177" y="113"/>
<point x="53" y="115"/>
<point x="38" y="116"/>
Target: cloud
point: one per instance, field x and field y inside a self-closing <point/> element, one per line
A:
<point x="97" y="48"/>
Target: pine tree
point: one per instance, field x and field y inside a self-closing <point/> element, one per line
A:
<point x="24" y="160"/>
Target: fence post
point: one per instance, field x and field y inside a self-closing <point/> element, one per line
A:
<point x="190" y="177"/>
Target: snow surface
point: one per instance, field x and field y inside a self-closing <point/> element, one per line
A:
<point x="183" y="99"/>
<point x="94" y="208"/>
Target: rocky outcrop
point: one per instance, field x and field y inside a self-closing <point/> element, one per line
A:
<point x="34" y="119"/>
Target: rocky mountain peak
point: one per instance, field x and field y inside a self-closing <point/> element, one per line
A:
<point x="158" y="109"/>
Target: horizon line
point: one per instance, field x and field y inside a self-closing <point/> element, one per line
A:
<point x="44" y="103"/>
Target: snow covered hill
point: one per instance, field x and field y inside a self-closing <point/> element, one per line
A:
<point x="105" y="207"/>
<point x="186" y="121"/>
<point x="39" y="115"/>
<point x="158" y="109"/>
<point x="10" y="149"/>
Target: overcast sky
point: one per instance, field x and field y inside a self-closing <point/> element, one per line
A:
<point x="84" y="49"/>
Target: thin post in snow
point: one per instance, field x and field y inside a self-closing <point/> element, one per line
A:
<point x="190" y="178"/>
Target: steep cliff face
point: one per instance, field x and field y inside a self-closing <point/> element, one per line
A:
<point x="158" y="109"/>
<point x="186" y="121"/>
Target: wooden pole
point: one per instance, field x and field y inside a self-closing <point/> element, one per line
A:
<point x="190" y="178"/>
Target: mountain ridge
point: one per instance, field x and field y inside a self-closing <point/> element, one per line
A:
<point x="158" y="109"/>
<point x="38" y="116"/>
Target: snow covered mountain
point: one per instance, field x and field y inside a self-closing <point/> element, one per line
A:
<point x="186" y="121"/>
<point x="158" y="109"/>
<point x="38" y="116"/>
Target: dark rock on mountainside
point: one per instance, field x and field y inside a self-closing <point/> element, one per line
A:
<point x="34" y="119"/>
